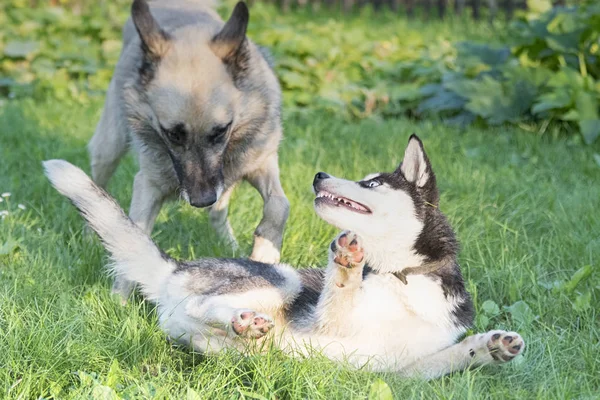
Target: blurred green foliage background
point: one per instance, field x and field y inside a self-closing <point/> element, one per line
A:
<point x="540" y="70"/>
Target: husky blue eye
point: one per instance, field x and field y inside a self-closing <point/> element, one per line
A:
<point x="373" y="183"/>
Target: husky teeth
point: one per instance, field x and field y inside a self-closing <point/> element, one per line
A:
<point x="341" y="200"/>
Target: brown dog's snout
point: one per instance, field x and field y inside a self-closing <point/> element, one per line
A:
<point x="201" y="182"/>
<point x="203" y="198"/>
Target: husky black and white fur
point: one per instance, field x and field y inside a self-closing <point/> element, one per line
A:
<point x="392" y="296"/>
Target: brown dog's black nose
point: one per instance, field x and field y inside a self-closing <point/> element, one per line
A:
<point x="203" y="199"/>
<point x="320" y="176"/>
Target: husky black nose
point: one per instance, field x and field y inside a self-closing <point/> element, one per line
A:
<point x="203" y="199"/>
<point x="320" y="176"/>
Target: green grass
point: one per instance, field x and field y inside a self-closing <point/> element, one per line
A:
<point x="525" y="209"/>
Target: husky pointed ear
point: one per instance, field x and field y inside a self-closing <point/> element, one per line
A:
<point x="154" y="39"/>
<point x="415" y="166"/>
<point x="229" y="43"/>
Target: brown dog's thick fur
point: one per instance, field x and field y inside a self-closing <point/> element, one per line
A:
<point x="200" y="106"/>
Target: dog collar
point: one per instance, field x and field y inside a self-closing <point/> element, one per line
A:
<point x="427" y="268"/>
<point x="400" y="275"/>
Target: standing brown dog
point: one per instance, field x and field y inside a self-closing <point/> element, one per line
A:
<point x="200" y="105"/>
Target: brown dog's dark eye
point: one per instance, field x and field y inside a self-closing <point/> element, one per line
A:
<point x="176" y="134"/>
<point x="218" y="132"/>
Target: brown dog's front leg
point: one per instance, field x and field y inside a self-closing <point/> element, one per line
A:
<point x="269" y="233"/>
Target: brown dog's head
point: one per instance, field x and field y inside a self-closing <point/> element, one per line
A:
<point x="188" y="97"/>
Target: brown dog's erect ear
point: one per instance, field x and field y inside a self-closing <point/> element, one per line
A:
<point x="227" y="44"/>
<point x="415" y="166"/>
<point x="154" y="39"/>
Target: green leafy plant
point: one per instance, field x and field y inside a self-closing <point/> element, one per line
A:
<point x="543" y="68"/>
<point x="578" y="288"/>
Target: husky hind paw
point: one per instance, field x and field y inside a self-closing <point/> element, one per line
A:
<point x="347" y="250"/>
<point x="496" y="347"/>
<point x="250" y="324"/>
<point x="504" y="346"/>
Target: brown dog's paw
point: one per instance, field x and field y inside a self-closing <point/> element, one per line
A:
<point x="250" y="324"/>
<point x="347" y="250"/>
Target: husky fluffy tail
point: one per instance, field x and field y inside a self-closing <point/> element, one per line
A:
<point x="134" y="254"/>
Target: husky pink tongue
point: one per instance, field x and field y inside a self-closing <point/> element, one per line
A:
<point x="353" y="204"/>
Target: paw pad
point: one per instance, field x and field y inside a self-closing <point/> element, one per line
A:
<point x="250" y="324"/>
<point x="347" y="250"/>
<point x="504" y="346"/>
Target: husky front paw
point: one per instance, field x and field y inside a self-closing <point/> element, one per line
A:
<point x="347" y="250"/>
<point x="250" y="324"/>
<point x="495" y="347"/>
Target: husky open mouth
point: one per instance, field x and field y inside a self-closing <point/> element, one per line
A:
<point x="338" y="201"/>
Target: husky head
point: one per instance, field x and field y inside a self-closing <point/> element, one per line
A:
<point x="189" y="96"/>
<point x="395" y="213"/>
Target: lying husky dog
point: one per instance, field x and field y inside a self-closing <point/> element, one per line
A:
<point x="392" y="296"/>
<point x="201" y="107"/>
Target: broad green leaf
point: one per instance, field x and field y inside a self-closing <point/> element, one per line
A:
<point x="86" y="379"/>
<point x="565" y="43"/>
<point x="590" y="129"/>
<point x="555" y="286"/>
<point x="539" y="6"/>
<point x="294" y="80"/>
<point x="380" y="391"/>
<point x="597" y="158"/>
<point x="292" y="64"/>
<point x="192" y="395"/>
<point x="114" y="374"/>
<point x="566" y="21"/>
<point x="430" y="89"/>
<point x="56" y="390"/>
<point x="483" y="321"/>
<point x="101" y="392"/>
<point x="489" y="99"/>
<point x="521" y="312"/>
<point x="558" y="98"/>
<point x="7" y="82"/>
<point x="249" y="395"/>
<point x="473" y="88"/>
<point x="589" y="123"/>
<point x="583" y="301"/>
<point x="571" y="115"/>
<point x="463" y="119"/>
<point x="20" y="49"/>
<point x="566" y="77"/>
<point x="484" y="53"/>
<point x="9" y="247"/>
<point x="580" y="275"/>
<point x="443" y="100"/>
<point x="490" y="308"/>
<point x="405" y="92"/>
